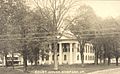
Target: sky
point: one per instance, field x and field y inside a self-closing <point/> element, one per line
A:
<point x="102" y="8"/>
<point x="105" y="8"/>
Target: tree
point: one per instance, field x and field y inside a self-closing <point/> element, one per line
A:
<point x="33" y="51"/>
<point x="117" y="42"/>
<point x="98" y="49"/>
<point x="108" y="49"/>
<point x="108" y="35"/>
<point x="116" y="52"/>
<point x="37" y="49"/>
<point x="54" y="12"/>
<point x="82" y="26"/>
<point x="38" y="35"/>
<point x="14" y="12"/>
<point x="6" y="12"/>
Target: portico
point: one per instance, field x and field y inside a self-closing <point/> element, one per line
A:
<point x="67" y="52"/>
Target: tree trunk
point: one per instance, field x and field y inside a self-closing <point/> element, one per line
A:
<point x="25" y="62"/>
<point x="109" y="60"/>
<point x="97" y="59"/>
<point x="6" y="64"/>
<point x="104" y="55"/>
<point x="13" y="60"/>
<point x="25" y="57"/>
<point x="82" y="59"/>
<point x="36" y="60"/>
<point x="117" y="61"/>
<point x="31" y="63"/>
<point x="82" y="54"/>
<point x="55" y="56"/>
<point x="96" y="55"/>
<point x="36" y="56"/>
<point x="100" y="60"/>
<point x="104" y="58"/>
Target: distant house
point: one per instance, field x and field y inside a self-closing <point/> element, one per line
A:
<point x="17" y="59"/>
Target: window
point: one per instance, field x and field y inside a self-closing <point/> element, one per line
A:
<point x="86" y="49"/>
<point x="52" y="57"/>
<point x="0" y="62"/>
<point x="92" y="58"/>
<point x="66" y="47"/>
<point x="47" y="57"/>
<point x="78" y="50"/>
<point x="15" y="58"/>
<point x="89" y="57"/>
<point x="77" y="57"/>
<point x="65" y="57"/>
<point x="57" y="56"/>
<point x="73" y="47"/>
<point x="86" y="57"/>
<point x="42" y="57"/>
<point x="57" y="47"/>
<point x="91" y="49"/>
<point x="64" y="50"/>
<point x="52" y="47"/>
<point x="16" y="62"/>
<point x="8" y="58"/>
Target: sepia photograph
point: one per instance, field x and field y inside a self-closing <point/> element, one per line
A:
<point x="59" y="37"/>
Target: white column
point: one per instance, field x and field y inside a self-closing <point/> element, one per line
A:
<point x="40" y="60"/>
<point x="70" y="62"/>
<point x="50" y="57"/>
<point x="75" y="52"/>
<point x="88" y="48"/>
<point x="60" y="53"/>
<point x="50" y="54"/>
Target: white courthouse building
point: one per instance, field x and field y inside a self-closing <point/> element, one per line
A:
<point x="68" y="52"/>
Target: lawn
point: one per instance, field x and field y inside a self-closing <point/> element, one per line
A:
<point x="41" y="69"/>
<point x="66" y="69"/>
<point x="9" y="70"/>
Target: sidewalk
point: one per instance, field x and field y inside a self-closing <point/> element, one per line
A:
<point x="107" y="71"/>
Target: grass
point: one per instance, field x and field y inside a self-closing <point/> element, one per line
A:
<point x="76" y="67"/>
<point x="9" y="70"/>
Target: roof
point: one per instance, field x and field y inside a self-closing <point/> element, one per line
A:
<point x="67" y="35"/>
